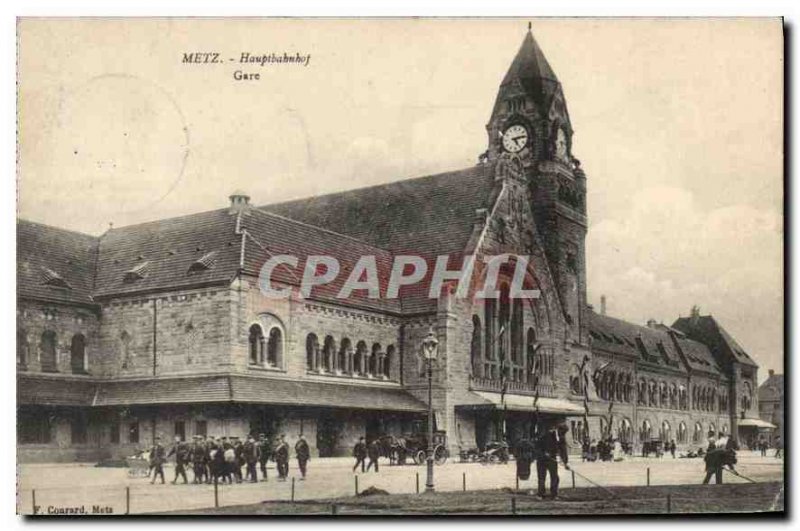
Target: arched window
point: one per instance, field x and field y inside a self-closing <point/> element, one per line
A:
<point x="747" y="396"/>
<point x="374" y="368"/>
<point x="682" y="397"/>
<point x="190" y="341"/>
<point x="724" y="429"/>
<point x="359" y="360"/>
<point x="256" y="342"/>
<point x="712" y="430"/>
<point x="652" y="391"/>
<point x="125" y="349"/>
<point x="663" y="395"/>
<point x="641" y="399"/>
<point x="682" y="433"/>
<point x="516" y="333"/>
<point x="646" y="431"/>
<point x="475" y="356"/>
<point x="531" y="357"/>
<point x="275" y="347"/>
<point x="328" y="354"/>
<point x="344" y="353"/>
<point x="77" y="352"/>
<point x="49" y="362"/>
<point x="625" y="433"/>
<point x="312" y="352"/>
<point x="388" y="361"/>
<point x="22" y="348"/>
<point x="697" y="436"/>
<point x="666" y="431"/>
<point x="575" y="383"/>
<point x="490" y="315"/>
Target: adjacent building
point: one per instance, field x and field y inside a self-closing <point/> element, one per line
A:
<point x="163" y="328"/>
<point x="770" y="405"/>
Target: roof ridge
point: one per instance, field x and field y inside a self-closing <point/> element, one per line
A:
<point x="371" y="187"/>
<point x="53" y="227"/>
<point x="323" y="229"/>
<point x="163" y="220"/>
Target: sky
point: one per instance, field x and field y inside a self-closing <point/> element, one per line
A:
<point x="678" y="125"/>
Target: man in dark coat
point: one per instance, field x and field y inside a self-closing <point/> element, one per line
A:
<point x="303" y="454"/>
<point x="281" y="455"/>
<point x="718" y="458"/>
<point x="158" y="456"/>
<point x="181" y="451"/>
<point x="360" y="453"/>
<point x="198" y="458"/>
<point x="374" y="453"/>
<point x="250" y="452"/>
<point x="551" y="446"/>
<point x="264" y="453"/>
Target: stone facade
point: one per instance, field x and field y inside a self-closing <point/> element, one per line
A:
<point x="168" y="311"/>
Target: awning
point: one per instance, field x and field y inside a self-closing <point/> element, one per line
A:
<point x="515" y="402"/>
<point x="257" y="390"/>
<point x="757" y="423"/>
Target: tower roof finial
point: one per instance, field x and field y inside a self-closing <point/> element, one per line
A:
<point x="529" y="25"/>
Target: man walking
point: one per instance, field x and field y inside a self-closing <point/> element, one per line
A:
<point x="157" y="459"/>
<point x="303" y="454"/>
<point x="250" y="453"/>
<point x="360" y="453"/>
<point x="282" y="458"/>
<point x="181" y="451"/>
<point x="552" y="446"/>
<point x="778" y="447"/>
<point x="374" y="453"/>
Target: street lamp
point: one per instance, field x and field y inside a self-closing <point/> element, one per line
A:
<point x="429" y="351"/>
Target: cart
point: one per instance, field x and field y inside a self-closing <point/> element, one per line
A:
<point x="138" y="465"/>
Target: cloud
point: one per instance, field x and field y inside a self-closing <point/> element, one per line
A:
<point x="665" y="254"/>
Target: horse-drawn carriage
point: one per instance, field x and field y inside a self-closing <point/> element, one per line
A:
<point x="414" y="446"/>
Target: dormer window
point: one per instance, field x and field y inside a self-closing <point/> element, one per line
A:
<point x="137" y="272"/>
<point x="51" y="278"/>
<point x="204" y="263"/>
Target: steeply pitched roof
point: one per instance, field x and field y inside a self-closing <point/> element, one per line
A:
<point x="708" y="331"/>
<point x="652" y="346"/>
<point x="54" y="264"/>
<point x="534" y="74"/>
<point x="424" y="216"/>
<point x="168" y="248"/>
<point x="276" y="235"/>
<point x="771" y="389"/>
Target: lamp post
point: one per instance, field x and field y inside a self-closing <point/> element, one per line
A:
<point x="429" y="351"/>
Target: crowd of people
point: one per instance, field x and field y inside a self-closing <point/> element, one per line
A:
<point x="222" y="459"/>
<point x="233" y="460"/>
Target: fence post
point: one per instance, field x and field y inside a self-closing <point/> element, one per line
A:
<point x="293" y="490"/>
<point x="648" y="476"/>
<point x="334" y="509"/>
<point x="573" y="478"/>
<point x="516" y="482"/>
<point x="33" y="496"/>
<point x="417" y="482"/>
<point x="464" y="481"/>
<point x="216" y="493"/>
<point x="127" y="500"/>
<point x="669" y="503"/>
<point x="356" y="478"/>
<point x="513" y="505"/>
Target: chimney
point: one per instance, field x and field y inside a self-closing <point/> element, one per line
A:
<point x="602" y="304"/>
<point x="651" y="323"/>
<point x="694" y="315"/>
<point x="240" y="202"/>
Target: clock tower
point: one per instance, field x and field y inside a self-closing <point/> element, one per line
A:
<point x="530" y="120"/>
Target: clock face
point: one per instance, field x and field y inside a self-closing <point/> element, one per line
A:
<point x="515" y="138"/>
